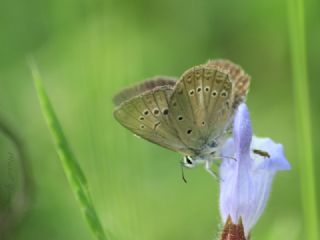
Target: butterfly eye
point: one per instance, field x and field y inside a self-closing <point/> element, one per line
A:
<point x="213" y="144"/>
<point x="188" y="162"/>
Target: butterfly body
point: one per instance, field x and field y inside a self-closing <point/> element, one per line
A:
<point x="191" y="115"/>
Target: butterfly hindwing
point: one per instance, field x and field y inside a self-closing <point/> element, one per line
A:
<point x="219" y="106"/>
<point x="193" y="106"/>
<point x="202" y="104"/>
<point x="185" y="111"/>
<point x="240" y="79"/>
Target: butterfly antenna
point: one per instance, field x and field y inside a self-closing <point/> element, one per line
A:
<point x="227" y="157"/>
<point x="182" y="172"/>
<point x="233" y="158"/>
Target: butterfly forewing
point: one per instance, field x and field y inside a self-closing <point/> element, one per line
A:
<point x="146" y="115"/>
<point x="147" y="85"/>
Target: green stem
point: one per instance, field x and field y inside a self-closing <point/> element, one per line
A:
<point x="303" y="121"/>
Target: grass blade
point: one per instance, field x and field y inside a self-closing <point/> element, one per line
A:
<point x="302" y="109"/>
<point x="69" y="163"/>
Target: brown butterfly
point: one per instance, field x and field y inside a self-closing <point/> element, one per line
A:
<point x="191" y="115"/>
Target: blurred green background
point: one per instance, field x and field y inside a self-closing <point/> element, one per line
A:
<point x="87" y="51"/>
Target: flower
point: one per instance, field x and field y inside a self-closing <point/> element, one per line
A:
<point x="246" y="176"/>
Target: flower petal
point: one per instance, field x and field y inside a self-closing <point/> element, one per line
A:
<point x="277" y="159"/>
<point x="246" y="182"/>
<point x="242" y="131"/>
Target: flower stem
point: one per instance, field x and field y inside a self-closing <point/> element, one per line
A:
<point x="303" y="121"/>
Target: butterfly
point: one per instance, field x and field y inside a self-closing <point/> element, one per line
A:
<point x="191" y="115"/>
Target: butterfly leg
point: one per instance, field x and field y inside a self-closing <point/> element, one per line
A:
<point x="207" y="166"/>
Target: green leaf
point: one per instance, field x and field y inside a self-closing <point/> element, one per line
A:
<point x="71" y="167"/>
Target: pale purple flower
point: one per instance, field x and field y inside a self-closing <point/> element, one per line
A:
<point x="246" y="180"/>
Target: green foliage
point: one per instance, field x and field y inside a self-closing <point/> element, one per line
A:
<point x="303" y="118"/>
<point x="69" y="163"/>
